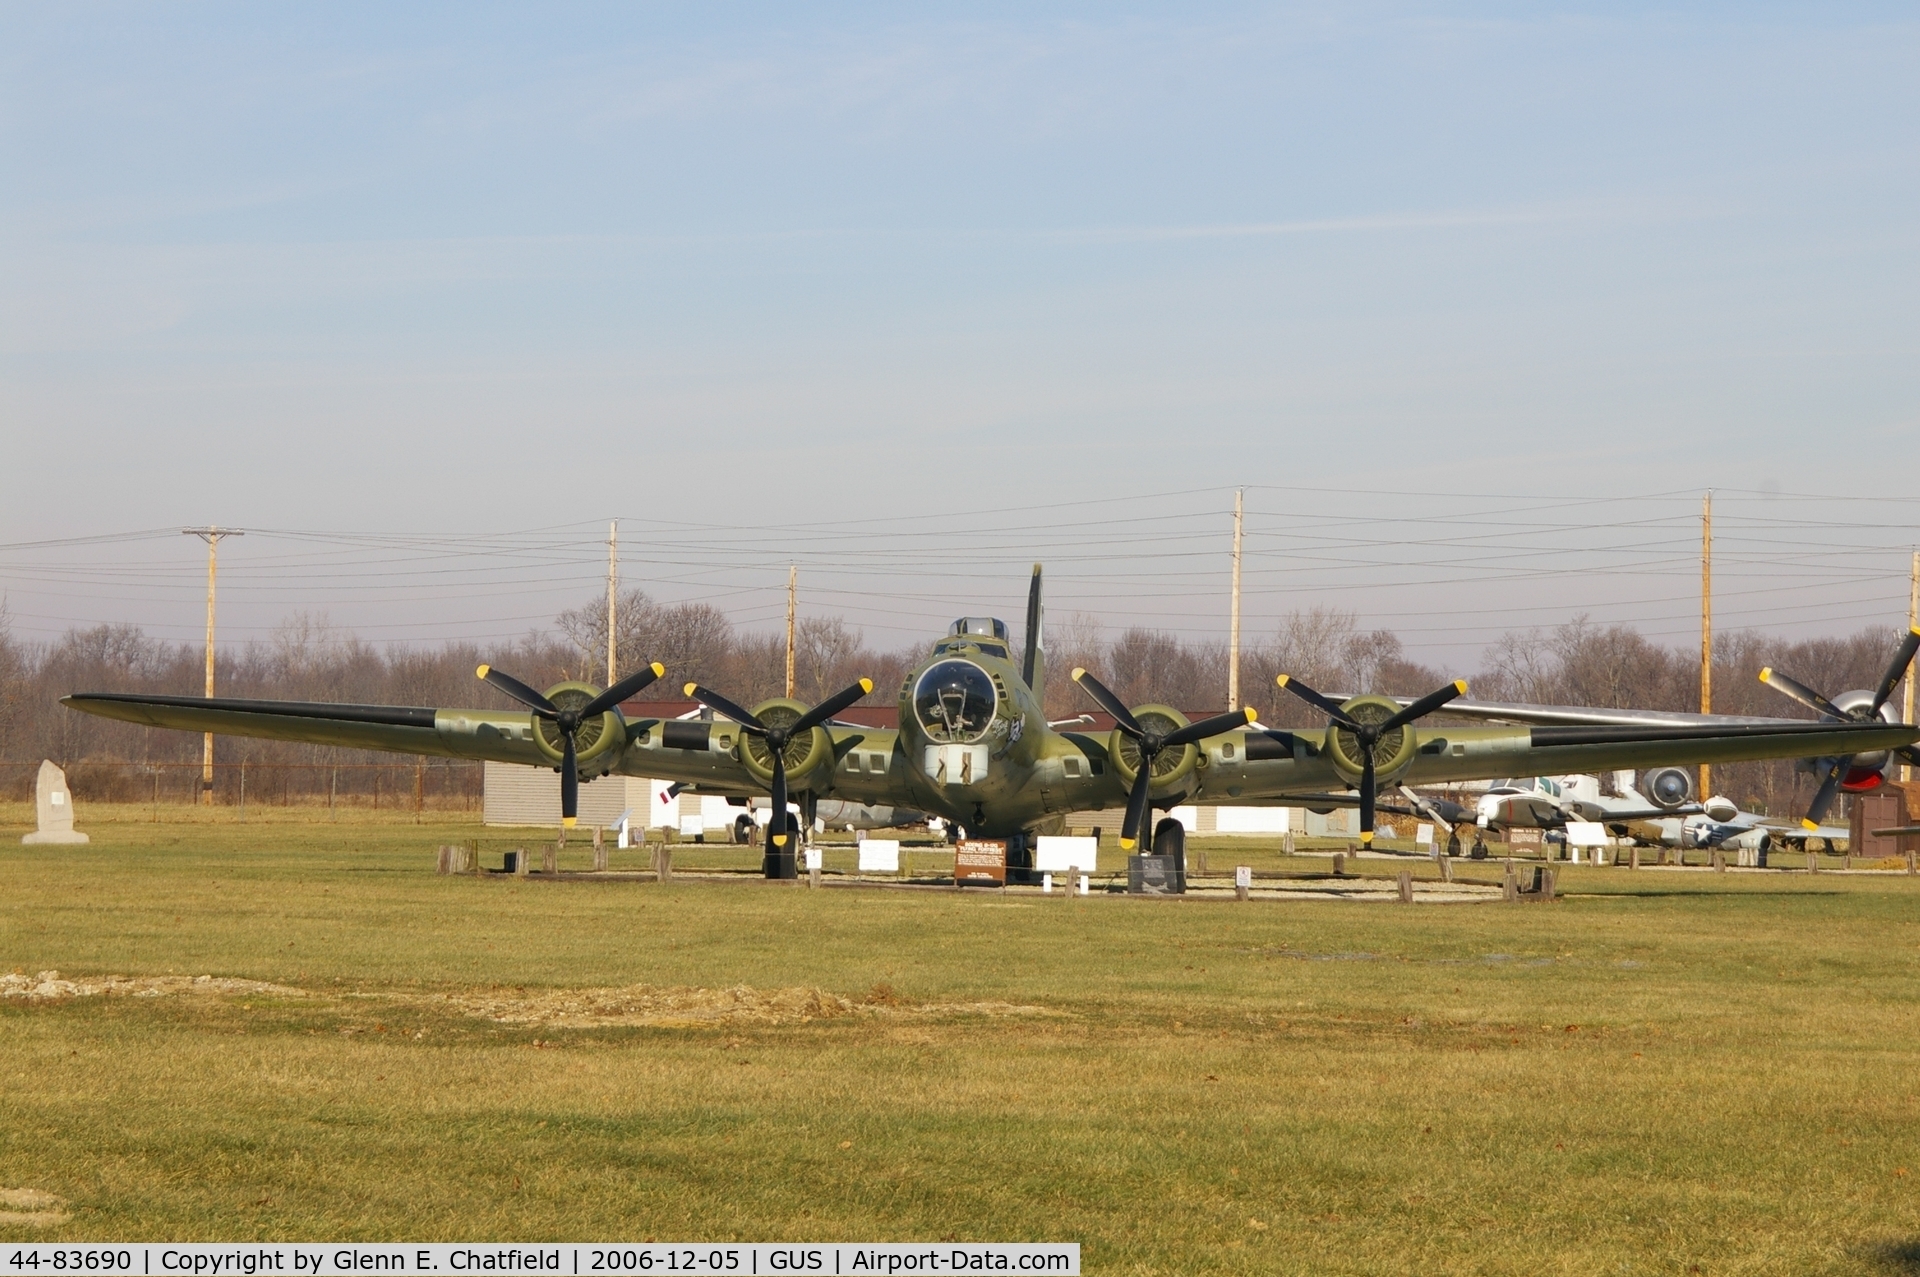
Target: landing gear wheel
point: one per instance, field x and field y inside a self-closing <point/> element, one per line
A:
<point x="1170" y="839"/>
<point x="1453" y="844"/>
<point x="1479" y="851"/>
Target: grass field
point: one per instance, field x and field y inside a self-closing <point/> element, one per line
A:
<point x="1663" y="1073"/>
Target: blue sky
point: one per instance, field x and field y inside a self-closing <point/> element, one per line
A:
<point x="463" y="268"/>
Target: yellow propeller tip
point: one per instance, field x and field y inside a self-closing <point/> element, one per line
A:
<point x="1766" y="673"/>
<point x="1807" y="824"/>
<point x="658" y="669"/>
<point x="866" y="685"/>
<point x="1281" y="679"/>
<point x="1126" y="844"/>
<point x="1253" y="715"/>
<point x="1460" y="686"/>
<point x="688" y="689"/>
<point x="568" y="822"/>
<point x="1366" y="836"/>
<point x="482" y="671"/>
<point x="1078" y="673"/>
<point x="779" y="840"/>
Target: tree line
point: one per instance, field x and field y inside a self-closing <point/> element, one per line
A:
<point x="305" y="658"/>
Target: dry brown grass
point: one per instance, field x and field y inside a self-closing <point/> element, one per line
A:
<point x="1665" y="1071"/>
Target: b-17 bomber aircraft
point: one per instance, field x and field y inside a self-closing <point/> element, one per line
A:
<point x="974" y="745"/>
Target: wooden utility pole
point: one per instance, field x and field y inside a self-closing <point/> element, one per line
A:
<point x="1706" y="625"/>
<point x="613" y="591"/>
<point x="1233" y="625"/>
<point x="793" y="573"/>
<point x="1913" y="623"/>
<point x="211" y="535"/>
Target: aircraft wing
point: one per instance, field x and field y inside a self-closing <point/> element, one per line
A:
<point x="1557" y="750"/>
<point x="1277" y="764"/>
<point x="504" y="735"/>
<point x="1589" y="715"/>
<point x="700" y="756"/>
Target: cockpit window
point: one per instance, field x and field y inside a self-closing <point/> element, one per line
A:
<point x="954" y="702"/>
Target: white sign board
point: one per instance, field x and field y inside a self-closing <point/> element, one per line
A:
<point x="693" y="826"/>
<point x="1254" y="820"/>
<point x="1056" y="854"/>
<point x="1243" y="877"/>
<point x="1423" y="834"/>
<point x="880" y="855"/>
<point x="813" y="858"/>
<point x="1587" y="833"/>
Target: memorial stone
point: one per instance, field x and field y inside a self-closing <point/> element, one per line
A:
<point x="53" y="805"/>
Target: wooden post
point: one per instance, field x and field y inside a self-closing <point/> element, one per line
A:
<point x="419" y="792"/>
<point x="1633" y="856"/>
<point x="1446" y="869"/>
<point x="445" y="864"/>
<point x="1406" y="886"/>
<point x="1286" y="844"/>
<point x="1233" y="622"/>
<point x="1913" y="623"/>
<point x="1706" y="627"/>
<point x="613" y="589"/>
<point x="550" y="858"/>
<point x="599" y="850"/>
<point x="1549" y="884"/>
<point x="793" y="573"/>
<point x="1201" y="863"/>
<point x="1339" y="864"/>
<point x="663" y="863"/>
<point x="522" y="862"/>
<point x="1510" y="884"/>
<point x="1913" y="863"/>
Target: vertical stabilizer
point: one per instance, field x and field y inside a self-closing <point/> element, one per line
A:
<point x="1033" y="667"/>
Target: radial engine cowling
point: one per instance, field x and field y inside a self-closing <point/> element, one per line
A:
<point x="1170" y="766"/>
<point x="1392" y="756"/>
<point x="599" y="741"/>
<point x="805" y="754"/>
<point x="1668" y="787"/>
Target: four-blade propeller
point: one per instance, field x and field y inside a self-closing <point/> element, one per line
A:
<point x="1369" y="734"/>
<point x="777" y="738"/>
<point x="1151" y="741"/>
<point x="1837" y="768"/>
<point x="568" y="721"/>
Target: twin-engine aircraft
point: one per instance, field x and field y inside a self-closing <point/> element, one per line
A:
<point x="974" y="745"/>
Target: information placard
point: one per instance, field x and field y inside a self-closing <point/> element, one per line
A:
<point x="980" y="862"/>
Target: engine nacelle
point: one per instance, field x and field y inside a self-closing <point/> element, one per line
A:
<point x="599" y="741"/>
<point x="1392" y="754"/>
<point x="1170" y="767"/>
<point x="1668" y="787"/>
<point x="1720" y="809"/>
<point x="805" y="755"/>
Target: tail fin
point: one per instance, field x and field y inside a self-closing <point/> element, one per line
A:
<point x="1034" y="667"/>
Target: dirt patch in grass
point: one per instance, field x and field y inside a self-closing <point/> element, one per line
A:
<point x="636" y="1005"/>
<point x="651" y="1006"/>
<point x="31" y="1208"/>
<point x="48" y="986"/>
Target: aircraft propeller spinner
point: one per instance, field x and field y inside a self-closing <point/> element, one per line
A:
<point x="1837" y="768"/>
<point x="1151" y="742"/>
<point x="1369" y="734"/>
<point x="569" y="720"/>
<point x="777" y="738"/>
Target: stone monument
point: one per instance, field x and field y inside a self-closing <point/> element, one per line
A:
<point x="54" y="803"/>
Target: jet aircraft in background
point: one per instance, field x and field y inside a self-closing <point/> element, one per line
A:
<point x="974" y="745"/>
